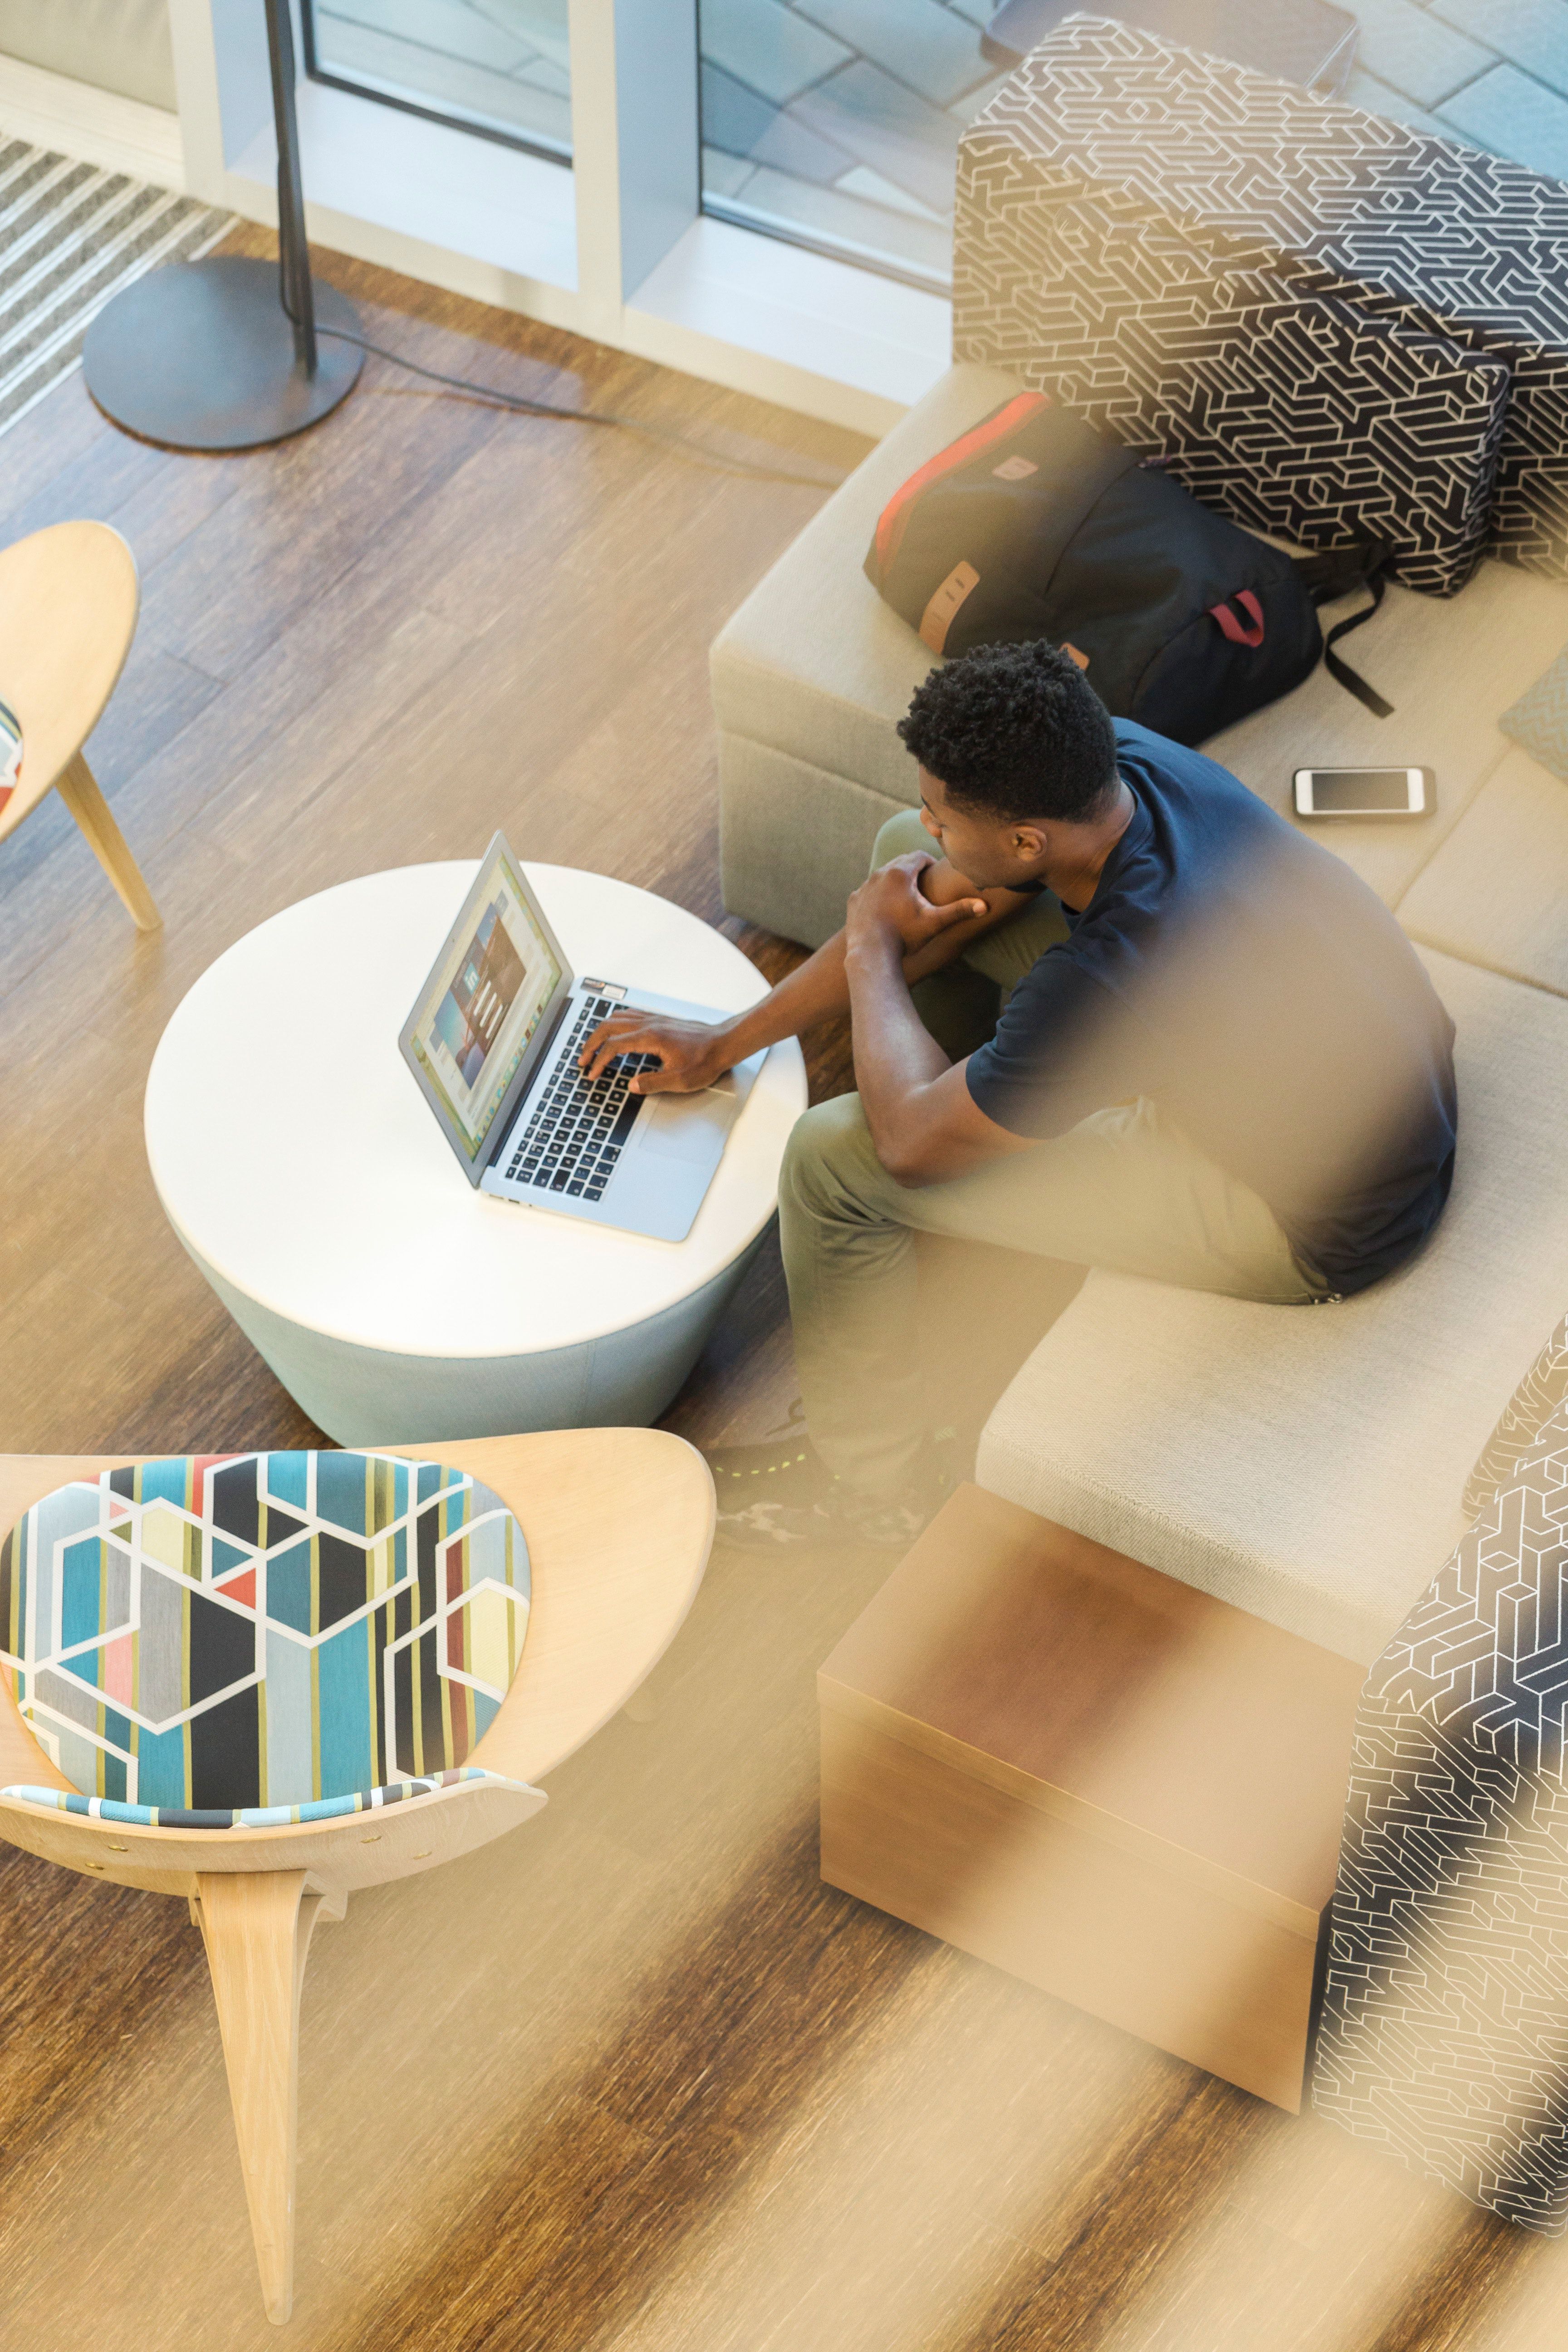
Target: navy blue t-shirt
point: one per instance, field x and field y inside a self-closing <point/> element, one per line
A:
<point x="1241" y="978"/>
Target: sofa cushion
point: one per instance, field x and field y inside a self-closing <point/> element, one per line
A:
<point x="215" y="1632"/>
<point x="1447" y="668"/>
<point x="813" y="664"/>
<point x="1187" y="155"/>
<point x="1291" y="411"/>
<point x="1496" y="890"/>
<point x="1539" y="719"/>
<point x="1307" y="1463"/>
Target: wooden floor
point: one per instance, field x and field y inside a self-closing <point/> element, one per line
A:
<point x="633" y="2079"/>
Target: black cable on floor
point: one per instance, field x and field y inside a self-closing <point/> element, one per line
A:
<point x="492" y="394"/>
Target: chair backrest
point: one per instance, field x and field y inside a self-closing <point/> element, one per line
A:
<point x="212" y="1632"/>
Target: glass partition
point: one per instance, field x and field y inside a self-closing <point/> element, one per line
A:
<point x="835" y="123"/>
<point x="498" y="67"/>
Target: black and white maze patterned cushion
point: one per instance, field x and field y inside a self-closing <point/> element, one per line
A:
<point x="1208" y="173"/>
<point x="1543" y="1390"/>
<point x="1444" y="2034"/>
<point x="1293" y="413"/>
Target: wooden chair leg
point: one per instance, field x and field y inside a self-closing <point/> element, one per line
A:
<point x="78" y="787"/>
<point x="257" y="1927"/>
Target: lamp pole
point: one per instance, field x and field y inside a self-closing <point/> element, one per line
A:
<point x="293" y="252"/>
<point x="225" y="353"/>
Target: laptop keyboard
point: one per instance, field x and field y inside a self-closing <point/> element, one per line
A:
<point x="578" y="1128"/>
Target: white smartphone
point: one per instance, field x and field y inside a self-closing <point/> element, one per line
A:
<point x="1365" y="791"/>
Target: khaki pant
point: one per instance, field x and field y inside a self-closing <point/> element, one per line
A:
<point x="1125" y="1189"/>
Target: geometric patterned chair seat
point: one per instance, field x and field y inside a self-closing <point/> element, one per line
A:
<point x="249" y="1640"/>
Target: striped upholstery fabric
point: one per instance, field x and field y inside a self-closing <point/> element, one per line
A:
<point x="247" y="1817"/>
<point x="10" y="753"/>
<point x="228" y="1635"/>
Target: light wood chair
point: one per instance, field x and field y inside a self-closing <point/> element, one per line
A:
<point x="68" y="600"/>
<point x="619" y="1524"/>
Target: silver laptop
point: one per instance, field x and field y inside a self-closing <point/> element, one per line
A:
<point x="493" y="1042"/>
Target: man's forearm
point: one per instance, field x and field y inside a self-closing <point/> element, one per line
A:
<point x="813" y="993"/>
<point x="819" y="988"/>
<point x="895" y="1054"/>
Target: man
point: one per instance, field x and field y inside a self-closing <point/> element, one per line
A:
<point x="1128" y="1017"/>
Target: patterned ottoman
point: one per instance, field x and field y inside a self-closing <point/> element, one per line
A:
<point x="1444" y="2034"/>
<point x="241" y="1641"/>
<point x="1327" y="323"/>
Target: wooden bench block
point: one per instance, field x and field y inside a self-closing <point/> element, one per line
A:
<point x="1109" y="1784"/>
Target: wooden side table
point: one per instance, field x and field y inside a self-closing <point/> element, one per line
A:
<point x="69" y="601"/>
<point x="1106" y="1782"/>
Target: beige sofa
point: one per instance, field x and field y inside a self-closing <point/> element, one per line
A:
<point x="1308" y="1466"/>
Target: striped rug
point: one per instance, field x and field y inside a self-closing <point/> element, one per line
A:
<point x="71" y="235"/>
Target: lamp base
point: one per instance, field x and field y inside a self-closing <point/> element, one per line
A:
<point x="200" y="355"/>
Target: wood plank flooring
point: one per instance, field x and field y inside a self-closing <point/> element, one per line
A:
<point x="632" y="2080"/>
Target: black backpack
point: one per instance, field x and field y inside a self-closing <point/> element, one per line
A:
<point x="1033" y="525"/>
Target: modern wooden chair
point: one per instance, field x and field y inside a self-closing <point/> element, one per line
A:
<point x="617" y="1524"/>
<point x="68" y="600"/>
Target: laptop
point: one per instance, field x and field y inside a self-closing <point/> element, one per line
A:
<point x="493" y="1041"/>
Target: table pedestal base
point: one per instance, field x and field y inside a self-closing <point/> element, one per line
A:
<point x="362" y="1396"/>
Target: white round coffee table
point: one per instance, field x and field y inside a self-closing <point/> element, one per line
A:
<point x="301" y="1168"/>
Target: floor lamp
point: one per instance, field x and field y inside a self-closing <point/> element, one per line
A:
<point x="225" y="353"/>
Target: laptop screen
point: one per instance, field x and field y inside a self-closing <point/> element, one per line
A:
<point x="480" y="1009"/>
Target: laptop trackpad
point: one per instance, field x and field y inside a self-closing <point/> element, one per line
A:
<point x="687" y="1126"/>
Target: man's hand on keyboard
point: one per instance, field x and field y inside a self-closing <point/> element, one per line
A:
<point x="690" y="1054"/>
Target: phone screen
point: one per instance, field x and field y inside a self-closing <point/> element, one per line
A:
<point x="1350" y="790"/>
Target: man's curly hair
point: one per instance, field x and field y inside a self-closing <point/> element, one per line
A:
<point x="1016" y="731"/>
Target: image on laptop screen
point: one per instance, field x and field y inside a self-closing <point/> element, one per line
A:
<point x="485" y="1001"/>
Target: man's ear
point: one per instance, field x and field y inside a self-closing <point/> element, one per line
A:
<point x="1029" y="841"/>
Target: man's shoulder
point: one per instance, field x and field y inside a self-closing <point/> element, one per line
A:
<point x="1155" y="759"/>
<point x="1214" y="836"/>
<point x="1210" y="810"/>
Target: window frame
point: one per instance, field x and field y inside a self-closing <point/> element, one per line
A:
<point x="616" y="247"/>
<point x="547" y="150"/>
